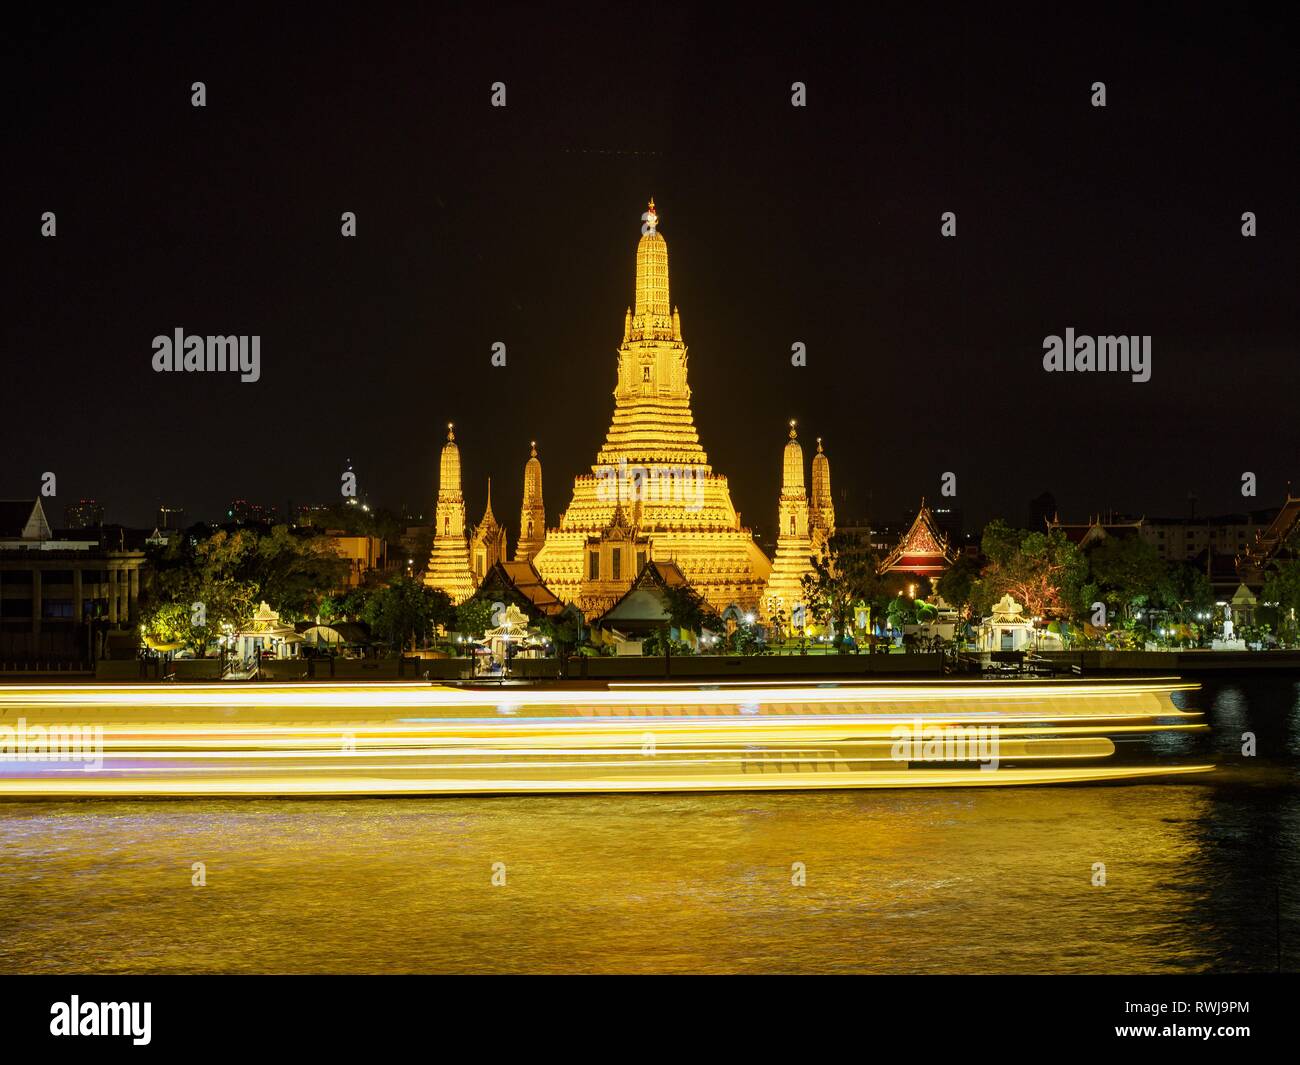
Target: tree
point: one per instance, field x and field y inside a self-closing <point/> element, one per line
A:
<point x="688" y="611"/>
<point x="230" y="572"/>
<point x="292" y="572"/>
<point x="174" y="623"/>
<point x="1044" y="572"/>
<point x="1282" y="586"/>
<point x="406" y="611"/>
<point x="958" y="584"/>
<point x="1129" y="573"/>
<point x="842" y="576"/>
<point x="473" y="617"/>
<point x="1187" y="591"/>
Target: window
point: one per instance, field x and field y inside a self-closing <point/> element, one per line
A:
<point x="593" y="566"/>
<point x="640" y="561"/>
<point x="57" y="608"/>
<point x="791" y="524"/>
<point x="617" y="559"/>
<point x="15" y="608"/>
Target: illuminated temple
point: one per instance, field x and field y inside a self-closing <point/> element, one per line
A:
<point x="449" y="567"/>
<point x="651" y="492"/>
<point x="805" y="522"/>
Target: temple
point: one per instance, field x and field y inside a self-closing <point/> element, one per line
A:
<point x="651" y="493"/>
<point x="532" y="512"/>
<point x="799" y="537"/>
<point x="924" y="550"/>
<point x="449" y="567"/>
<point x="821" y="508"/>
<point x="487" y="545"/>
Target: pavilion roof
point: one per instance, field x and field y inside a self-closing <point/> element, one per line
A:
<point x="923" y="549"/>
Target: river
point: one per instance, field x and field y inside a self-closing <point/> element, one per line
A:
<point x="1200" y="875"/>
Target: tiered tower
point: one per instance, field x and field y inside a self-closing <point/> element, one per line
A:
<point x="672" y="506"/>
<point x="821" y="507"/>
<point x="449" y="559"/>
<point x="532" y="514"/>
<point x="487" y="546"/>
<point x="794" y="547"/>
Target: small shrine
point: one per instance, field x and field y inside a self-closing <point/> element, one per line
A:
<point x="267" y="633"/>
<point x="512" y="630"/>
<point x="1007" y="629"/>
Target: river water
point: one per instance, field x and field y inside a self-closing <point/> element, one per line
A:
<point x="1200" y="876"/>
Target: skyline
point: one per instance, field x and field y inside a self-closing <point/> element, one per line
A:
<point x="813" y="225"/>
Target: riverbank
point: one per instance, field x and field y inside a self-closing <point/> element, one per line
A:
<point x="692" y="667"/>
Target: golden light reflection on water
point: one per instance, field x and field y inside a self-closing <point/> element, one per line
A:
<point x="948" y="881"/>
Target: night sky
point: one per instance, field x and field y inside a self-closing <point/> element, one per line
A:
<point x="479" y="224"/>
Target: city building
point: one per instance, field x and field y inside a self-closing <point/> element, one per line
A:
<point x="242" y="512"/>
<point x="84" y="514"/>
<point x="170" y="519"/>
<point x="65" y="598"/>
<point x="363" y="554"/>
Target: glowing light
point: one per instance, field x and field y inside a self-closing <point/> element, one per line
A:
<point x="415" y="738"/>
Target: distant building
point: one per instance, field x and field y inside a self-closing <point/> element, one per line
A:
<point x="1042" y="509"/>
<point x="242" y="512"/>
<point x="62" y="597"/>
<point x="948" y="520"/>
<point x="363" y="554"/>
<point x="1183" y="539"/>
<point x="170" y="518"/>
<point x="310" y="515"/>
<point x="1097" y="528"/>
<point x="84" y="514"/>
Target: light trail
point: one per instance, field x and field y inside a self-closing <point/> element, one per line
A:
<point x="304" y="739"/>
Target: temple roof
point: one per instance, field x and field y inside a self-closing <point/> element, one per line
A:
<point x="1269" y="542"/>
<point x="924" y="549"/>
<point x="23" y="519"/>
<point x="522" y="579"/>
<point x="645" y="602"/>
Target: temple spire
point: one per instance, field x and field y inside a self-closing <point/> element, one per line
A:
<point x="532" y="511"/>
<point x="449" y="565"/>
<point x="652" y="270"/>
<point x="821" y="502"/>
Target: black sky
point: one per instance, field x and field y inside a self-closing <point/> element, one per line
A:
<point x="818" y="225"/>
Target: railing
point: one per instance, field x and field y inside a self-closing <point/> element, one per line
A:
<point x="45" y="665"/>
